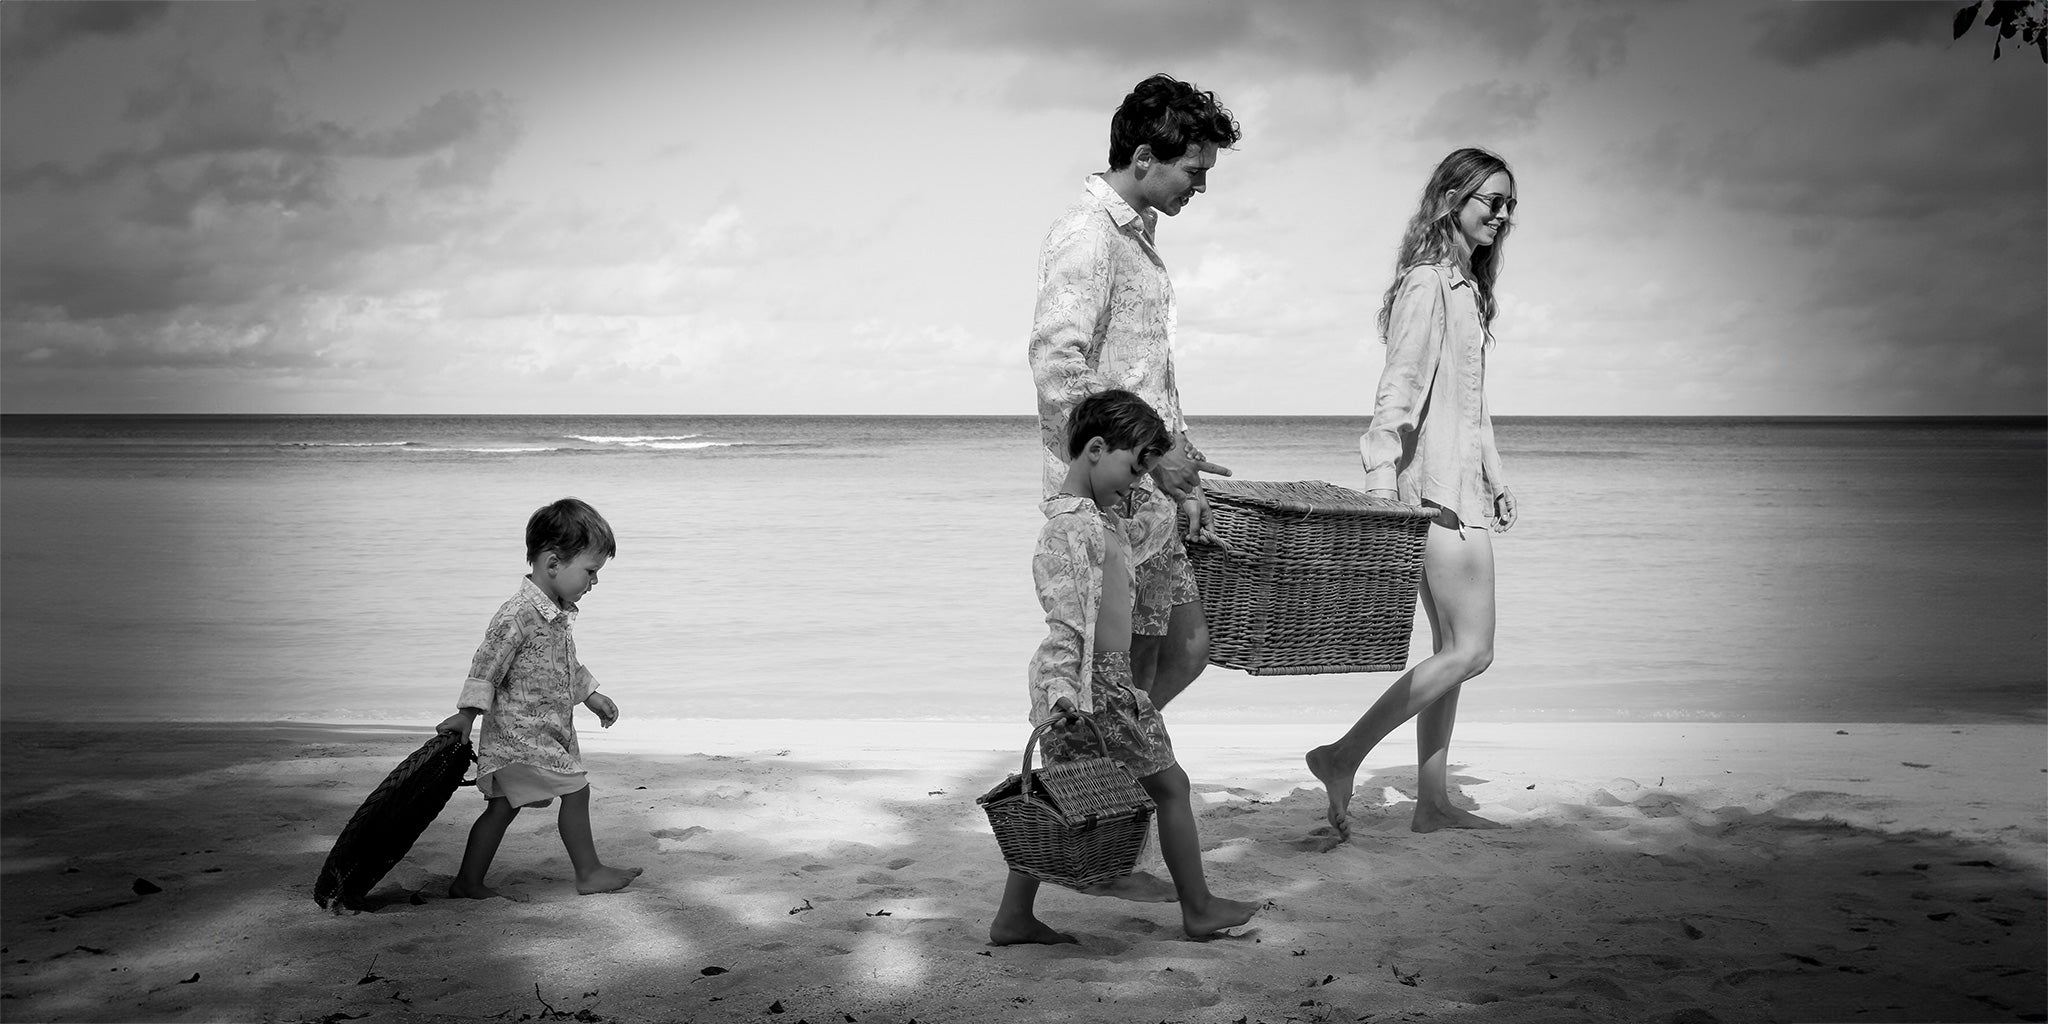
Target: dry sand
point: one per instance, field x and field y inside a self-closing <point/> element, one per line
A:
<point x="827" y="872"/>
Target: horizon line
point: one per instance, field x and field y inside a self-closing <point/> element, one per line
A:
<point x="1033" y="416"/>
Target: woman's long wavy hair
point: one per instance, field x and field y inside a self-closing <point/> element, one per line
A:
<point x="1433" y="231"/>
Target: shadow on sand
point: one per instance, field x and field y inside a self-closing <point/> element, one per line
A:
<point x="791" y="890"/>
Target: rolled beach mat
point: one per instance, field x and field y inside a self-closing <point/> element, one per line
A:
<point x="391" y="820"/>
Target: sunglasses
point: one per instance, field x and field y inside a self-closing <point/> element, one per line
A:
<point x="1495" y="202"/>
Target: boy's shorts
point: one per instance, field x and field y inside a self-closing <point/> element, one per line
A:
<point x="523" y="785"/>
<point x="1130" y="725"/>
<point x="1165" y="580"/>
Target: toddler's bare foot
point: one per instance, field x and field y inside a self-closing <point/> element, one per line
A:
<point x="1429" y="818"/>
<point x="1216" y="916"/>
<point x="1322" y="763"/>
<point x="1138" y="887"/>
<point x="1003" y="932"/>
<point x="606" y="879"/>
<point x="461" y="890"/>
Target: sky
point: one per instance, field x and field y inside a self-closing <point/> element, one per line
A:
<point x="495" y="206"/>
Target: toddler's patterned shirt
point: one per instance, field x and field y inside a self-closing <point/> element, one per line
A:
<point x="527" y="681"/>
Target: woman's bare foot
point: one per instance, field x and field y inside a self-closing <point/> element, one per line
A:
<point x="1030" y="929"/>
<point x="1138" y="887"/>
<point x="1215" y="916"/>
<point x="606" y="879"/>
<point x="1430" y="817"/>
<point x="461" y="890"/>
<point x="1322" y="763"/>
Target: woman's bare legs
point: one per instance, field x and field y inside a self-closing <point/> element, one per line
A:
<point x="1457" y="595"/>
<point x="1433" y="807"/>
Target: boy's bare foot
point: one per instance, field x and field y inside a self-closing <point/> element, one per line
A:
<point x="1429" y="818"/>
<point x="1322" y="763"/>
<point x="1138" y="887"/>
<point x="1218" y="915"/>
<point x="461" y="890"/>
<point x="1030" y="929"/>
<point x="607" y="879"/>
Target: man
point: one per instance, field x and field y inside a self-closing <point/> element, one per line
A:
<point x="1105" y="319"/>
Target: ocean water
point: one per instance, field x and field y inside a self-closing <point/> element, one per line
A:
<point x="342" y="568"/>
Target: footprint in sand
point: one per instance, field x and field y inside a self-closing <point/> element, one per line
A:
<point x="669" y="840"/>
<point x="1322" y="840"/>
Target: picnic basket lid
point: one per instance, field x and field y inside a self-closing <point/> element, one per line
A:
<point x="1307" y="497"/>
<point x="1091" y="786"/>
<point x="1081" y="788"/>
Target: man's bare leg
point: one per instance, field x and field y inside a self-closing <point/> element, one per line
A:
<point x="1182" y="654"/>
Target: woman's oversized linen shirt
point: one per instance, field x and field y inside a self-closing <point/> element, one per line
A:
<point x="1431" y="438"/>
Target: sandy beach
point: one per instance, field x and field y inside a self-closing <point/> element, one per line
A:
<point x="825" y="872"/>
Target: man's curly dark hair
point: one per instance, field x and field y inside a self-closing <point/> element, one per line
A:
<point x="1169" y="115"/>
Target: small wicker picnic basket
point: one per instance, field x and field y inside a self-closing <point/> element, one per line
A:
<point x="1318" y="578"/>
<point x="1074" y="823"/>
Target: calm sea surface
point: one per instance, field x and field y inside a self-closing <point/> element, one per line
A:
<point x="339" y="568"/>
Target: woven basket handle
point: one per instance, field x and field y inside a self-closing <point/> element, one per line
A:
<point x="1025" y="772"/>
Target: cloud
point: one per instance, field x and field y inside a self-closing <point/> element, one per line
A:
<point x="1598" y="41"/>
<point x="1483" y="110"/>
<point x="219" y="217"/>
<point x="1352" y="39"/>
<point x="31" y="32"/>
<point x="1805" y="34"/>
<point x="225" y="183"/>
<point x="229" y="131"/>
<point x="1124" y="31"/>
<point x="304" y="28"/>
<point x="469" y="136"/>
<point x="1918" y="138"/>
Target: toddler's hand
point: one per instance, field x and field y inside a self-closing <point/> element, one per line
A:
<point x="602" y="706"/>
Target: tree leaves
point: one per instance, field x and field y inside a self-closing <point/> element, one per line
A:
<point x="1967" y="17"/>
<point x="2027" y="19"/>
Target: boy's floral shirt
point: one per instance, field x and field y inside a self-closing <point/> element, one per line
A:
<point x="1067" y="567"/>
<point x="527" y="681"/>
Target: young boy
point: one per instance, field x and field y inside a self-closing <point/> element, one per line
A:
<point x="526" y="682"/>
<point x="1086" y="583"/>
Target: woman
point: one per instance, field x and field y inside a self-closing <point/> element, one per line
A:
<point x="1431" y="442"/>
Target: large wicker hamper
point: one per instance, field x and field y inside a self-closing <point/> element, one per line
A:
<point x="1073" y="823"/>
<point x="1318" y="578"/>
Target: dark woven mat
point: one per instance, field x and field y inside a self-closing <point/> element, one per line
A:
<point x="391" y="820"/>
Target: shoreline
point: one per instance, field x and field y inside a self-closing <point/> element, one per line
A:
<point x="1651" y="872"/>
